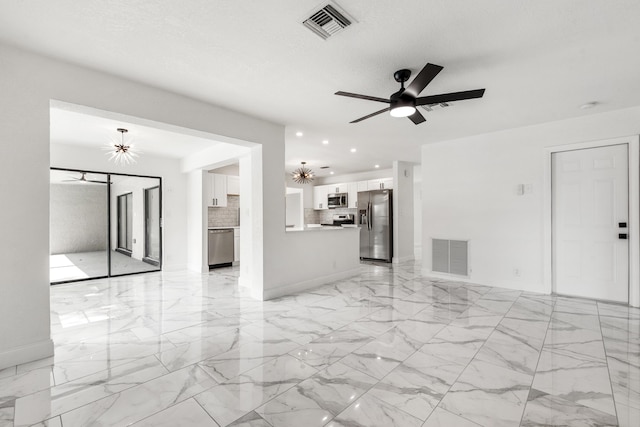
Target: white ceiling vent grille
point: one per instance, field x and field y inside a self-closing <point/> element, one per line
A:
<point x="327" y="21"/>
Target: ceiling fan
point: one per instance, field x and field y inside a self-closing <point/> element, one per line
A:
<point x="83" y="178"/>
<point x="403" y="103"/>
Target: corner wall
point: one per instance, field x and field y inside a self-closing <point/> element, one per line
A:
<point x="469" y="192"/>
<point x="403" y="235"/>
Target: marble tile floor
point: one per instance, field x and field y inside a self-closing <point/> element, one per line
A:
<point x="386" y="348"/>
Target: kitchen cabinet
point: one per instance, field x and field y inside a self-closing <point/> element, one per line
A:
<point x="217" y="190"/>
<point x="363" y="185"/>
<point x="320" y="193"/>
<point x="380" y="184"/>
<point x="352" y="190"/>
<point x="233" y="185"/>
<point x="236" y="244"/>
<point x="338" y="188"/>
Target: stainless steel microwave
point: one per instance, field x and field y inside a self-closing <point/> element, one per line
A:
<point x="337" y="200"/>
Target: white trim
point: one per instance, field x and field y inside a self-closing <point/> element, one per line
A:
<point x="633" y="143"/>
<point x="26" y="353"/>
<point x="308" y="284"/>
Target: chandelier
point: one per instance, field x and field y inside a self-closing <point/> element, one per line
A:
<point x="119" y="152"/>
<point x="302" y="175"/>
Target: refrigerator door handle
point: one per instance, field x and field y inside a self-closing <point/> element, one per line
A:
<point x="370" y="216"/>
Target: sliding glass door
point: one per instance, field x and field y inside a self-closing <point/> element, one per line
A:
<point x="78" y="225"/>
<point x="104" y="224"/>
<point x="134" y="235"/>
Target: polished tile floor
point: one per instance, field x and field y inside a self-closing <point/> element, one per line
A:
<point x="387" y="348"/>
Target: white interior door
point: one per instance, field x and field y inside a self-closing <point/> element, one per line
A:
<point x="590" y="205"/>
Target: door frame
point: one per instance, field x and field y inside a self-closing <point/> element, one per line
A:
<point x="633" y="145"/>
<point x="146" y="258"/>
<point x="109" y="217"/>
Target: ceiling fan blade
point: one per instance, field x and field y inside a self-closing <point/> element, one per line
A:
<point x="367" y="97"/>
<point x="370" y="115"/>
<point x="417" y="118"/>
<point x="449" y="97"/>
<point x="424" y="77"/>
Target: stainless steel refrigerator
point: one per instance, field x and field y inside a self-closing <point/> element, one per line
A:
<point x="375" y="216"/>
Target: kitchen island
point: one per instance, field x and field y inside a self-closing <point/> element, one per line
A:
<point x="320" y="255"/>
<point x="318" y="227"/>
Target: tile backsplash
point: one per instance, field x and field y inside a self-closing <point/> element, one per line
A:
<point x="312" y="216"/>
<point x="226" y="217"/>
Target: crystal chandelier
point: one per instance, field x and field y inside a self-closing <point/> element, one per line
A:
<point x="302" y="175"/>
<point x="119" y="152"/>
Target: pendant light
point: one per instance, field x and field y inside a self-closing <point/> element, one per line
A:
<point x="302" y="175"/>
<point x="119" y="152"/>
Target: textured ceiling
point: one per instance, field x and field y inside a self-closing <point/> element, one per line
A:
<point x="539" y="61"/>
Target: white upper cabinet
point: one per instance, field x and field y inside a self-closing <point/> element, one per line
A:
<point x="363" y="185"/>
<point x="320" y="193"/>
<point x="217" y="190"/>
<point x="380" y="184"/>
<point x="233" y="185"/>
<point x="338" y="188"/>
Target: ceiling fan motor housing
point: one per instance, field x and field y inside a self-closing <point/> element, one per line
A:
<point x="401" y="99"/>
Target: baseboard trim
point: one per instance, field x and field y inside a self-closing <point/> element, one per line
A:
<point x="26" y="353"/>
<point x="308" y="284"/>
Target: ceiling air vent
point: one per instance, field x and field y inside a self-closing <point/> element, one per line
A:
<point x="327" y="21"/>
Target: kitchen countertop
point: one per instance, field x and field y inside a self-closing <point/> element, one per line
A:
<point x="222" y="228"/>
<point x="322" y="228"/>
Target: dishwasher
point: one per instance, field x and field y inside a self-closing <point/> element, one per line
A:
<point x="220" y="247"/>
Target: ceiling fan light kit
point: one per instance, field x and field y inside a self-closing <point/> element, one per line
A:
<point x="403" y="103"/>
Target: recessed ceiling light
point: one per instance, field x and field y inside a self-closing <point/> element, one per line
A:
<point x="588" y="105"/>
<point x="325" y="142"/>
<point x="353" y="150"/>
<point x="331" y="173"/>
<point x="299" y="133"/>
<point x="377" y="166"/>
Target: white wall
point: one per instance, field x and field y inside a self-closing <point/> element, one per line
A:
<point x="403" y="234"/>
<point x="417" y="211"/>
<point x="28" y="83"/>
<point x="469" y="192"/>
<point x="78" y="217"/>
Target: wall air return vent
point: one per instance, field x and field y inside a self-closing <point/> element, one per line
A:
<point x="327" y="20"/>
<point x="450" y="256"/>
